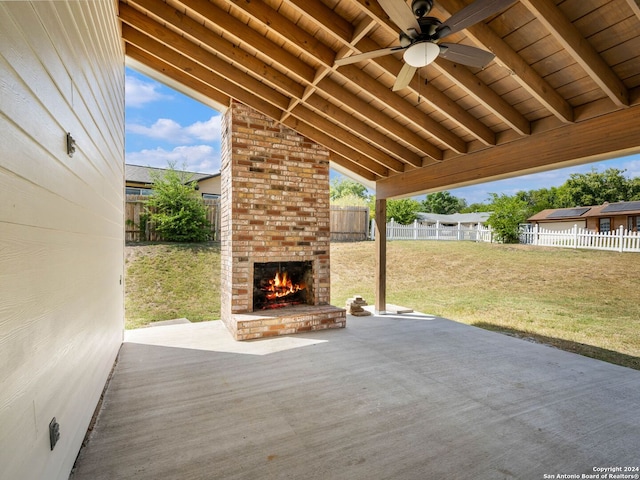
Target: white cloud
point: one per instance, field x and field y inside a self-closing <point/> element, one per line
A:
<point x="138" y="92"/>
<point x="632" y="168"/>
<point x="171" y="131"/>
<point x="208" y="131"/>
<point x="193" y="158"/>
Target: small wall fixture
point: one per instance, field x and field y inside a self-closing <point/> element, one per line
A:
<point x="71" y="145"/>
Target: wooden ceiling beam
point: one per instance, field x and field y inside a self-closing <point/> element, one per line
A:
<point x="401" y="106"/>
<point x="326" y="18"/>
<point x="331" y="143"/>
<point x="346" y="121"/>
<point x="368" y="111"/>
<point x="465" y="80"/>
<point x="522" y="72"/>
<point x="635" y="7"/>
<point x="484" y="95"/>
<point x="349" y="139"/>
<point x="293" y="33"/>
<point x="580" y="49"/>
<point x="344" y="32"/>
<point x="570" y="144"/>
<point x="202" y="36"/>
<point x="352" y="167"/>
<point x="287" y="30"/>
<point x="248" y="36"/>
<point x="169" y="56"/>
<point x="435" y="97"/>
<point x="161" y="34"/>
<point x="176" y="74"/>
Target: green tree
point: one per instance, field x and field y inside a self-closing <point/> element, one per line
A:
<point x="476" y="207"/>
<point x="595" y="188"/>
<point x="345" y="187"/>
<point x="634" y="189"/>
<point x="543" y="198"/>
<point x="403" y="211"/>
<point x="176" y="209"/>
<point x="508" y="212"/>
<point x="443" y="203"/>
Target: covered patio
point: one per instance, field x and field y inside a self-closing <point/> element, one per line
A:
<point x="386" y="397"/>
<point x="396" y="396"/>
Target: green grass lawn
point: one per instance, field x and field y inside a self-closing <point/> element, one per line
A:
<point x="577" y="300"/>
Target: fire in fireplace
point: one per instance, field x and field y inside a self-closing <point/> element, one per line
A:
<point x="282" y="284"/>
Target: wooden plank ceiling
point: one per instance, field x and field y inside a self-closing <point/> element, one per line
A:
<point x="563" y="88"/>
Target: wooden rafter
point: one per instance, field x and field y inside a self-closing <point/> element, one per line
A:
<point x="568" y="35"/>
<point x="522" y="72"/>
<point x="552" y="73"/>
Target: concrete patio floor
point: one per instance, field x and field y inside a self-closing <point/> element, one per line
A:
<point x="390" y="397"/>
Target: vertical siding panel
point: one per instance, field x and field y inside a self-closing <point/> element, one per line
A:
<point x="61" y="225"/>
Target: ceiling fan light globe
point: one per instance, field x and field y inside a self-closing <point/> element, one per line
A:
<point x="421" y="54"/>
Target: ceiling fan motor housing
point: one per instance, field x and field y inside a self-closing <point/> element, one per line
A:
<point x="421" y="8"/>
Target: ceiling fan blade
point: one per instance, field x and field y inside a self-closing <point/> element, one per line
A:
<point x="470" y="15"/>
<point x="404" y="77"/>
<point x="466" y="55"/>
<point x="400" y="13"/>
<point x="365" y="56"/>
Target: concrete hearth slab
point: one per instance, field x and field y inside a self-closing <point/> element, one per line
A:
<point x="390" y="397"/>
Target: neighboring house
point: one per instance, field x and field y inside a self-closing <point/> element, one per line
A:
<point x="599" y="218"/>
<point x="465" y="220"/>
<point x="139" y="181"/>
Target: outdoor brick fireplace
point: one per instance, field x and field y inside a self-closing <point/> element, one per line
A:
<point x="274" y="229"/>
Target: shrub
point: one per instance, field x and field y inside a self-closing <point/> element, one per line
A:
<point x="176" y="209"/>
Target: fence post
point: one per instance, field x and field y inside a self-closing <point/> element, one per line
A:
<point x="415" y="229"/>
<point x="438" y="230"/>
<point x="621" y="238"/>
<point x="575" y="235"/>
<point x="536" y="227"/>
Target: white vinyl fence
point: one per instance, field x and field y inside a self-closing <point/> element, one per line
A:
<point x="619" y="240"/>
<point x="418" y="231"/>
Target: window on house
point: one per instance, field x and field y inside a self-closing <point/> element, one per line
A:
<point x="138" y="191"/>
<point x="605" y="224"/>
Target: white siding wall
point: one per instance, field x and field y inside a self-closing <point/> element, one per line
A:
<point x="61" y="226"/>
<point x="563" y="226"/>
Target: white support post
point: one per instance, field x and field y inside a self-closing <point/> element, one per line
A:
<point x="575" y="235"/>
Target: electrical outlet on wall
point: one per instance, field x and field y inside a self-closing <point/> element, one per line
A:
<point x="54" y="432"/>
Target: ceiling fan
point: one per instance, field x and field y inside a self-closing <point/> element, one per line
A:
<point x="421" y="35"/>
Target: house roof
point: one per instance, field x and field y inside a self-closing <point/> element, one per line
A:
<point x="479" y="217"/>
<point x="141" y="174"/>
<point x="564" y="70"/>
<point x="605" y="210"/>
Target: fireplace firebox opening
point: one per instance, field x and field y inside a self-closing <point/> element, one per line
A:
<point x="282" y="284"/>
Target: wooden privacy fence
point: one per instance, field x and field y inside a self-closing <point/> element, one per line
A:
<point x="437" y="231"/>
<point x="348" y="224"/>
<point x="619" y="240"/>
<point x="137" y="232"/>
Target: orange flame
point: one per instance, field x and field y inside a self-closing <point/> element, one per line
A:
<point x="281" y="286"/>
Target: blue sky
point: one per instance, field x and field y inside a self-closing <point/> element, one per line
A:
<point x="164" y="126"/>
